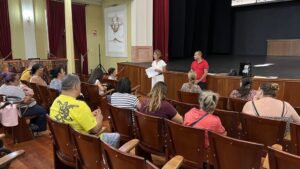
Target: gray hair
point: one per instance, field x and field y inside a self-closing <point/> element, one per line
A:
<point x="208" y="101"/>
<point x="69" y="82"/>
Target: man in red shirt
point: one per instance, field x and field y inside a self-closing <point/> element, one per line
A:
<point x="200" y="66"/>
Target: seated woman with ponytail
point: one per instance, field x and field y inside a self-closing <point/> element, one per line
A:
<point x="191" y="86"/>
<point x="266" y="105"/>
<point x="245" y="92"/>
<point x="158" y="106"/>
<point x="203" y="118"/>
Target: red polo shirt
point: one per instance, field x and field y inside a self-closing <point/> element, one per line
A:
<point x="199" y="68"/>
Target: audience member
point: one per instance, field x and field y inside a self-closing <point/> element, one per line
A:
<point x="158" y="106"/>
<point x="123" y="98"/>
<point x="160" y="66"/>
<point x="57" y="74"/>
<point x="11" y="87"/>
<point x="37" y="71"/>
<point x="200" y="66"/>
<point x="26" y="74"/>
<point x="95" y="78"/>
<point x="268" y="106"/>
<point x="112" y="73"/>
<point x="245" y="92"/>
<point x="67" y="109"/>
<point x="204" y="118"/>
<point x="191" y="86"/>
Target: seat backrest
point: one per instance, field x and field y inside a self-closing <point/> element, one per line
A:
<point x="236" y="104"/>
<point x="115" y="159"/>
<point x="62" y="138"/>
<point x="122" y="122"/>
<point x="187" y="142"/>
<point x="53" y="94"/>
<point x="188" y="97"/>
<point x="104" y="107"/>
<point x="232" y="153"/>
<point x="262" y="130"/>
<point x="84" y="143"/>
<point x="295" y="138"/>
<point x="182" y="107"/>
<point x="85" y="92"/>
<point x="231" y="121"/>
<point x="282" y="160"/>
<point x="222" y="103"/>
<point x="110" y="83"/>
<point x="37" y="95"/>
<point x="93" y="95"/>
<point x="150" y="131"/>
<point x="45" y="96"/>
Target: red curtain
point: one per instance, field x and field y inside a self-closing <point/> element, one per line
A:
<point x="5" y="41"/>
<point x="161" y="27"/>
<point x="56" y="25"/>
<point x="79" y="31"/>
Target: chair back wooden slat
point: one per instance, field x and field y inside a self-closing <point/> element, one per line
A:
<point x="182" y="107"/>
<point x="63" y="143"/>
<point x="236" y="104"/>
<point x="84" y="143"/>
<point x="231" y="121"/>
<point x="187" y="142"/>
<point x="232" y="153"/>
<point x="37" y="95"/>
<point x="85" y="92"/>
<point x="53" y="94"/>
<point x="150" y="131"/>
<point x="187" y="97"/>
<point x="116" y="159"/>
<point x="295" y="138"/>
<point x="93" y="95"/>
<point x="223" y="103"/>
<point x="122" y="122"/>
<point x="282" y="160"/>
<point x="263" y="130"/>
<point x="45" y="96"/>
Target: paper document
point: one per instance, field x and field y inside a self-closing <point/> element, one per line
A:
<point x="151" y="72"/>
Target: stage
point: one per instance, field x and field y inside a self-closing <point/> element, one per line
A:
<point x="284" y="67"/>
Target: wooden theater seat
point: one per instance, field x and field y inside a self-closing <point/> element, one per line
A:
<point x="182" y="107"/>
<point x="63" y="147"/>
<point x="236" y="104"/>
<point x="93" y="95"/>
<point x="187" y="97"/>
<point x="187" y="142"/>
<point x="295" y="138"/>
<point x="282" y="160"/>
<point x="45" y="96"/>
<point x="84" y="91"/>
<point x="263" y="130"/>
<point x="121" y="120"/>
<point x="231" y="122"/>
<point x="230" y="153"/>
<point x="223" y="103"/>
<point x="117" y="159"/>
<point x="36" y="95"/>
<point x="150" y="131"/>
<point x="53" y="94"/>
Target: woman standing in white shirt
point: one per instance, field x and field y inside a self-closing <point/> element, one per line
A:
<point x="160" y="66"/>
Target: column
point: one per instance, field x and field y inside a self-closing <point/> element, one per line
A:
<point x="142" y="30"/>
<point x="69" y="36"/>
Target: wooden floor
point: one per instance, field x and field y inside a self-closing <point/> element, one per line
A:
<point x="38" y="153"/>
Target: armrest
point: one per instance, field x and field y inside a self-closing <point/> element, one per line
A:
<point x="127" y="147"/>
<point x="10" y="157"/>
<point x="174" y="163"/>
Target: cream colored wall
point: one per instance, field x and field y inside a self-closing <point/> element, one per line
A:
<point x="40" y="28"/>
<point x="16" y="29"/>
<point x="112" y="61"/>
<point x="93" y="23"/>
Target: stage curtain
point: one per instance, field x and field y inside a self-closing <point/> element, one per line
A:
<point x="161" y="27"/>
<point x="5" y="39"/>
<point x="79" y="31"/>
<point x="204" y="25"/>
<point x="56" y="22"/>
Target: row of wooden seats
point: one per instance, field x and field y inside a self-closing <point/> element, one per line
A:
<point x="151" y="131"/>
<point x="76" y="150"/>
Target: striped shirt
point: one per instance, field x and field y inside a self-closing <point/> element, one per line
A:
<point x="124" y="100"/>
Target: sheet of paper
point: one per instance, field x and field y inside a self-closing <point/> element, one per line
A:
<point x="151" y="72"/>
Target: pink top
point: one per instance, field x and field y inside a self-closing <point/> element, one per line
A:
<point x="209" y="122"/>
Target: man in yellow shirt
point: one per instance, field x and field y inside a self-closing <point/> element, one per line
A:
<point x="26" y="73"/>
<point x="67" y="109"/>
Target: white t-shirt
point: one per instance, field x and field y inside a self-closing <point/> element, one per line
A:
<point x="158" y="65"/>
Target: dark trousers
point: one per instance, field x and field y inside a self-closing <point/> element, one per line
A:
<point x="203" y="85"/>
<point x="40" y="120"/>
